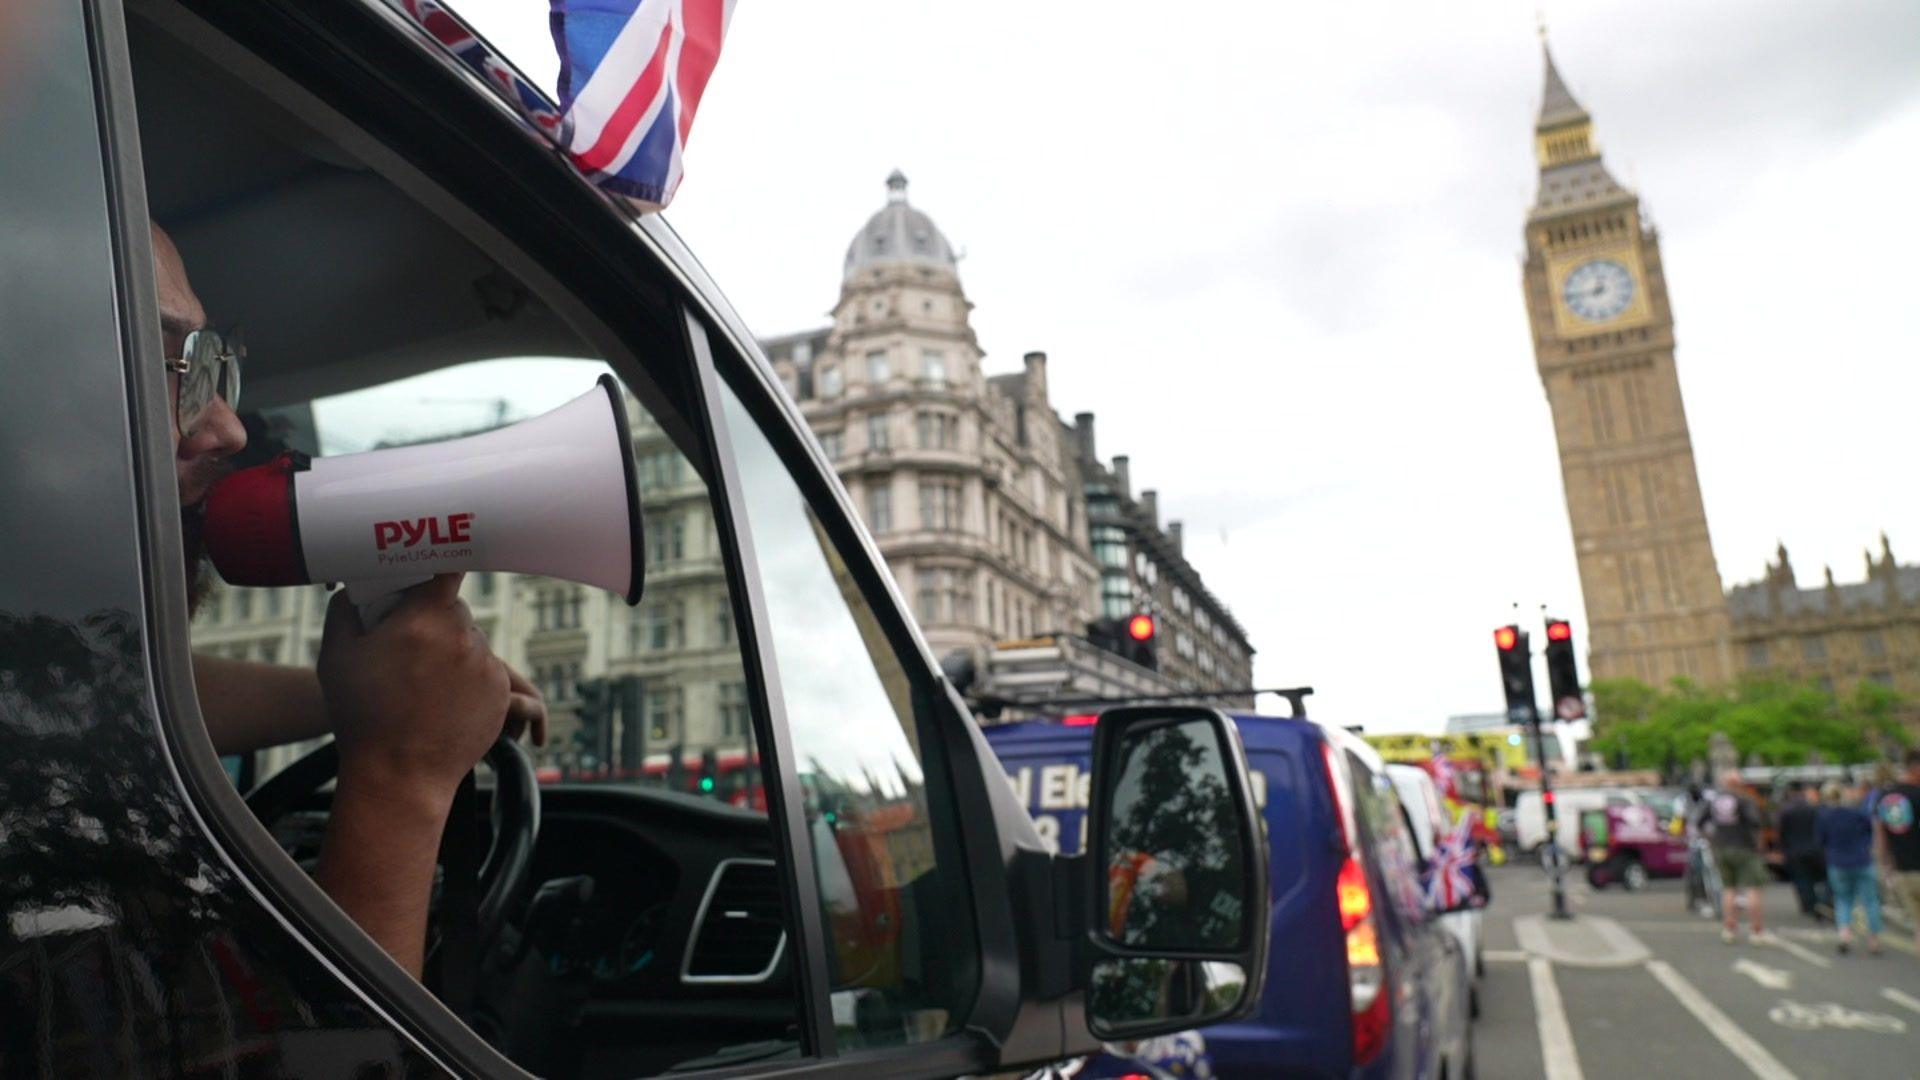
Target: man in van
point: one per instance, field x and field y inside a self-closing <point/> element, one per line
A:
<point x="412" y="702"/>
<point x="1732" y="822"/>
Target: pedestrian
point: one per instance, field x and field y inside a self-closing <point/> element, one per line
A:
<point x="1800" y="839"/>
<point x="1846" y="838"/>
<point x="1733" y="823"/>
<point x="1898" y="838"/>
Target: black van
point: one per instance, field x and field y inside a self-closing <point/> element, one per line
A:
<point x="374" y="210"/>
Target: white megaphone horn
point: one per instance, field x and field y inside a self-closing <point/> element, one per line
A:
<point x="553" y="495"/>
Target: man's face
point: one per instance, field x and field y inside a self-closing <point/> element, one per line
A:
<point x="200" y="456"/>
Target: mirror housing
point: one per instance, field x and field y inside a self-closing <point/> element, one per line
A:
<point x="1177" y="914"/>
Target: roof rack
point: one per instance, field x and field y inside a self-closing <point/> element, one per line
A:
<point x="1296" y="699"/>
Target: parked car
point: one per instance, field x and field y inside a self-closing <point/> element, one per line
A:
<point x="1631" y="845"/>
<point x="378" y="209"/>
<point x="1365" y="979"/>
<point x="1427" y="820"/>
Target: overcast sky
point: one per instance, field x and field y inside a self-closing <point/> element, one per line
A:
<point x="1277" y="250"/>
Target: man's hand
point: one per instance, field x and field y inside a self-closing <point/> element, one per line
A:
<point x="414" y="701"/>
<point x="527" y="710"/>
<point x="418" y="698"/>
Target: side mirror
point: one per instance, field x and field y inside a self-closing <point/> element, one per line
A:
<point x="1179" y="921"/>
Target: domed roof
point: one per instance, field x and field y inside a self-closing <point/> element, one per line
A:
<point x="899" y="234"/>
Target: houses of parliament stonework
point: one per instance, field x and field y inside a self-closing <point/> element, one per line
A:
<point x="1603" y="334"/>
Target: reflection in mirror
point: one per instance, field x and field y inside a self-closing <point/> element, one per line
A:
<point x="1175" y="878"/>
<point x="1139" y="991"/>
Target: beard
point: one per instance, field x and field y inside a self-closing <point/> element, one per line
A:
<point x="199" y="569"/>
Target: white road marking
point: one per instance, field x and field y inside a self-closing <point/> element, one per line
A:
<point x="1793" y="1014"/>
<point x="1504" y="956"/>
<point x="1771" y="978"/>
<point x="1902" y="999"/>
<point x="1617" y="947"/>
<point x="1756" y="1058"/>
<point x="1802" y="952"/>
<point x="1556" y="1037"/>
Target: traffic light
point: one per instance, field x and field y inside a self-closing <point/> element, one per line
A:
<point x="1141" y="632"/>
<point x="626" y="700"/>
<point x="1131" y="637"/>
<point x="593" y="715"/>
<point x="1563" y="677"/>
<point x="1516" y="673"/>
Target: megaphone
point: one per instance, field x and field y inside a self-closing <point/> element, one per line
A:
<point x="554" y="495"/>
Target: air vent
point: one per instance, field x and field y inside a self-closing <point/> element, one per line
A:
<point x="739" y="933"/>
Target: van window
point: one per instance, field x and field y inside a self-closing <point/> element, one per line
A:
<point x="1276" y="789"/>
<point x="901" y="953"/>
<point x="374" y="321"/>
<point x="1384" y="831"/>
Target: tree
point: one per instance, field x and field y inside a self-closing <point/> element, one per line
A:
<point x="1778" y="720"/>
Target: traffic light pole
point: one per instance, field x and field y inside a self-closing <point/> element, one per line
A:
<point x="1556" y="859"/>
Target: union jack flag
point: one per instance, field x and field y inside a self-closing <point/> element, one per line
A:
<point x="631" y="75"/>
<point x="1451" y="879"/>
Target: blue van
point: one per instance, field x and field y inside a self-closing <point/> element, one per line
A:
<point x="1362" y="978"/>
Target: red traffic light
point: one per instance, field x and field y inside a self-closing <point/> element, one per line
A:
<point x="1506" y="638"/>
<point x="1140" y="628"/>
<point x="1559" y="631"/>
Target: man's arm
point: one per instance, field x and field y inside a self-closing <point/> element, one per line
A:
<point x="414" y="701"/>
<point x="250" y="706"/>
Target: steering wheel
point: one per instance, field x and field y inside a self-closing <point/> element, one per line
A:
<point x="515" y="817"/>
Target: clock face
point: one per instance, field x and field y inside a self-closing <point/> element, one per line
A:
<point x="1598" y="290"/>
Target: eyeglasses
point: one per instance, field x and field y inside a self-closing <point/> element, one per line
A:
<point x="208" y="367"/>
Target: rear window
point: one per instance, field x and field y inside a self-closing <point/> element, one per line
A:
<point x="1276" y="787"/>
<point x="1383" y="832"/>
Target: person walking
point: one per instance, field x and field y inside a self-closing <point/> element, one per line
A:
<point x="1800" y="840"/>
<point x="1846" y="838"/>
<point x="1898" y="837"/>
<point x="1733" y="824"/>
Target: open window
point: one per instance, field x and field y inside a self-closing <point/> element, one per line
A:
<point x="382" y="309"/>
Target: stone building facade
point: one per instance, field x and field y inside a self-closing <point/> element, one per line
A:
<point x="967" y="481"/>
<point x="1835" y="635"/>
<point x="1143" y="567"/>
<point x="1604" y="343"/>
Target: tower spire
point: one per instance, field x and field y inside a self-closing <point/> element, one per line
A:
<point x="1557" y="105"/>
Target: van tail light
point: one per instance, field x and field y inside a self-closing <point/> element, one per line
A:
<point x="1372" y="1005"/>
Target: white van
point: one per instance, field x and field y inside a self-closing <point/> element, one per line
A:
<point x="1530" y="815"/>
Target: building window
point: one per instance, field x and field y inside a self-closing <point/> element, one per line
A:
<point x="483" y="583"/>
<point x="833" y="444"/>
<point x="243" y="604"/>
<point x="878" y="369"/>
<point x="666" y="540"/>
<point x="273" y="602"/>
<point x="1813" y="650"/>
<point x="831" y="382"/>
<point x="878" y="437"/>
<point x="933" y="366"/>
<point x="937" y="431"/>
<point x="667" y="625"/>
<point x="270" y="651"/>
<point x="1757" y="654"/>
<point x="940" y="505"/>
<point x="722" y="622"/>
<point x="932" y="595"/>
<point x="665" y="710"/>
<point x="880" y="506"/>
<point x="1873" y="644"/>
<point x="734" y="720"/>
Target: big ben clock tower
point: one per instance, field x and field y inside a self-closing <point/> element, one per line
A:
<point x="1603" y="338"/>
